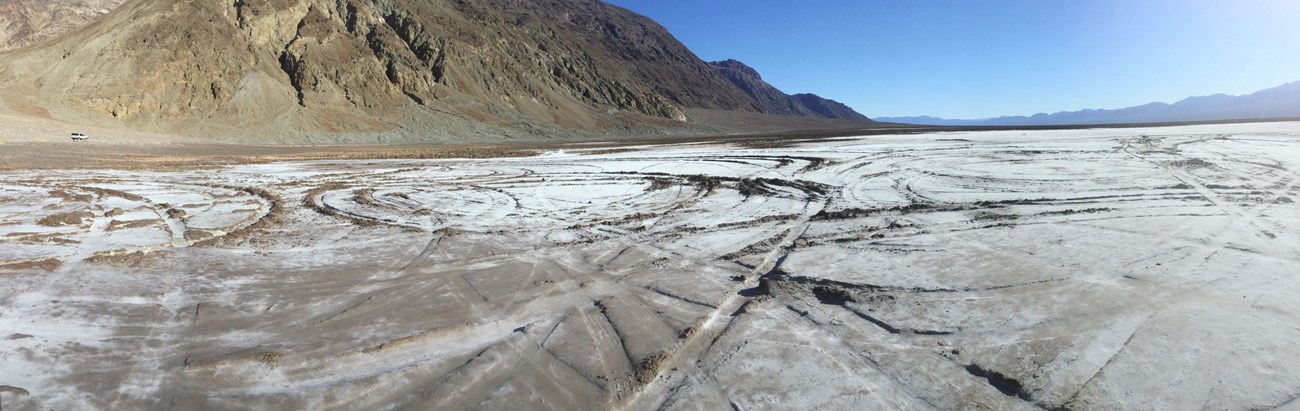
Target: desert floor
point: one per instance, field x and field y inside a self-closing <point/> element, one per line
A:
<point x="1082" y="269"/>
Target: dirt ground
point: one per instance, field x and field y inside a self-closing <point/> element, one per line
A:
<point x="1014" y="269"/>
<point x="28" y="143"/>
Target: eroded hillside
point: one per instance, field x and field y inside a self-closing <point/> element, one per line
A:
<point x="24" y="22"/>
<point x="317" y="70"/>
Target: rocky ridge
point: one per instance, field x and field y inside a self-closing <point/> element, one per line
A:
<point x="774" y="101"/>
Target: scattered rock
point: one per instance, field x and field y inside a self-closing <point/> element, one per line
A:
<point x="128" y="224"/>
<point x="123" y="258"/>
<point x="648" y="368"/>
<point x="67" y="196"/>
<point x="71" y="218"/>
<point x="46" y="264"/>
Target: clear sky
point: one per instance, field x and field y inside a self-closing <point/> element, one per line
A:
<point x="977" y="59"/>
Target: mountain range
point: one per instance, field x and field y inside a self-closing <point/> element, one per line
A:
<point x="369" y="70"/>
<point x="1277" y="102"/>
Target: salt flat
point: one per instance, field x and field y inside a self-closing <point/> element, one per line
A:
<point x="1086" y="269"/>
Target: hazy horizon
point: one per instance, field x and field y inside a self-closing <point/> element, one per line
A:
<point x="961" y="60"/>
<point x="1171" y="102"/>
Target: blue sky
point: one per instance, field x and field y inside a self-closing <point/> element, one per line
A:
<point x="976" y="59"/>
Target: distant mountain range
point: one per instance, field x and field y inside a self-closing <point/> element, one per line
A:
<point x="1280" y="101"/>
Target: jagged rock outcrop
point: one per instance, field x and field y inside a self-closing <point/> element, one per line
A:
<point x="773" y="101"/>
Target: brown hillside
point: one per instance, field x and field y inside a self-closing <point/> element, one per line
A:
<point x="367" y="70"/>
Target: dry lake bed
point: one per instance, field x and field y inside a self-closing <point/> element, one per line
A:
<point x="1086" y="269"/>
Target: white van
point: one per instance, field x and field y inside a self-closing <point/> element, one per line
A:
<point x="79" y="137"/>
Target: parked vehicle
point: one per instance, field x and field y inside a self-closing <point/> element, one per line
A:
<point x="79" y="137"/>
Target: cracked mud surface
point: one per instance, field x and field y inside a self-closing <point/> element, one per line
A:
<point x="1087" y="269"/>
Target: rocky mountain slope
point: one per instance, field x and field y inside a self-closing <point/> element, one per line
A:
<point x="23" y="22"/>
<point x="827" y="108"/>
<point x="774" y="101"/>
<point x="357" y="70"/>
<point x="1277" y="102"/>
